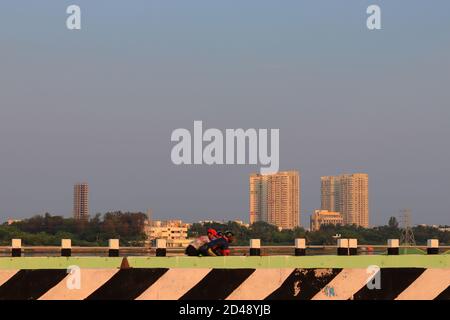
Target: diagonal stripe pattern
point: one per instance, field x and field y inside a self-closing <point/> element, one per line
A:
<point x="344" y="285"/>
<point x="393" y="282"/>
<point x="218" y="284"/>
<point x="444" y="295"/>
<point x="90" y="281"/>
<point x="5" y="275"/>
<point x="30" y="284"/>
<point x="127" y="284"/>
<point x="428" y="286"/>
<point x="303" y="284"/>
<point x="174" y="284"/>
<point x="260" y="284"/>
<point x="229" y="284"/>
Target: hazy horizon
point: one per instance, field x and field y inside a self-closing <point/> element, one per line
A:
<point x="99" y="105"/>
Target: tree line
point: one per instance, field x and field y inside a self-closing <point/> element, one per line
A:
<point x="129" y="228"/>
<point x="49" y="230"/>
<point x="271" y="235"/>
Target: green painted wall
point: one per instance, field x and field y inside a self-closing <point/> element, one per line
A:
<point x="59" y="262"/>
<point x="412" y="261"/>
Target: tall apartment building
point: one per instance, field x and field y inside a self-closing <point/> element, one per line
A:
<point x="275" y="199"/>
<point x="349" y="195"/>
<point x="81" y="201"/>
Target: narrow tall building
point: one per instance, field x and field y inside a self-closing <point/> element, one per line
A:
<point x="81" y="201"/>
<point x="349" y="195"/>
<point x="275" y="199"/>
<point x="328" y="193"/>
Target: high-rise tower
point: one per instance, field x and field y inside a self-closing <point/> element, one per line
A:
<point x="81" y="201"/>
<point x="349" y="195"/>
<point x="275" y="198"/>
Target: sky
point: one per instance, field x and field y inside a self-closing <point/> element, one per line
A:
<point x="99" y="104"/>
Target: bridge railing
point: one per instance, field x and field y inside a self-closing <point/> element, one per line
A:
<point x="344" y="247"/>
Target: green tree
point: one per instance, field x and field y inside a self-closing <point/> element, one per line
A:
<point x="393" y="223"/>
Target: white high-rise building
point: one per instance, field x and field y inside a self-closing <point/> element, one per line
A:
<point x="349" y="195"/>
<point x="275" y="199"/>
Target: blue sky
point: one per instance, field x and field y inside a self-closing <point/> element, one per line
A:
<point x="99" y="104"/>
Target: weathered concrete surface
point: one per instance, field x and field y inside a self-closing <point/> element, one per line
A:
<point x="231" y="278"/>
<point x="260" y="284"/>
<point x="428" y="286"/>
<point x="6" y="274"/>
<point x="344" y="285"/>
<point x="90" y="281"/>
<point x="173" y="284"/>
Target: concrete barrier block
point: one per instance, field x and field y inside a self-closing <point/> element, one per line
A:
<point x="432" y="246"/>
<point x="16" y="247"/>
<point x="342" y="245"/>
<point x="16" y="243"/>
<point x="300" y="247"/>
<point x="66" y="247"/>
<point x="393" y="247"/>
<point x="255" y="247"/>
<point x="161" y="247"/>
<point x="353" y="247"/>
<point x="113" y="245"/>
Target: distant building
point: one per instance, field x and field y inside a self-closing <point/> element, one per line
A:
<point x="81" y="201"/>
<point x="239" y="222"/>
<point x="324" y="217"/>
<point x="349" y="195"/>
<point x="169" y="229"/>
<point x="203" y="222"/>
<point x="275" y="199"/>
<point x="11" y="221"/>
<point x="435" y="226"/>
<point x="242" y="223"/>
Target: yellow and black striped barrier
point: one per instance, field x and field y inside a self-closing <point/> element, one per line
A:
<point x="377" y="277"/>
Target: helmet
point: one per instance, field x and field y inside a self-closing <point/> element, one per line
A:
<point x="229" y="234"/>
<point x="213" y="232"/>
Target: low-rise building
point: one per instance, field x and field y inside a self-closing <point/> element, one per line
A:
<point x="242" y="223"/>
<point x="203" y="222"/>
<point x="324" y="217"/>
<point x="174" y="231"/>
<point x="11" y="221"/>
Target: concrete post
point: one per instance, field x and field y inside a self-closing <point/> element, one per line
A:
<point x="16" y="247"/>
<point x="255" y="247"/>
<point x="432" y="246"/>
<point x="353" y="247"/>
<point x="342" y="249"/>
<point x="113" y="245"/>
<point x="393" y="247"/>
<point x="66" y="247"/>
<point x="300" y="247"/>
<point x="161" y="247"/>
